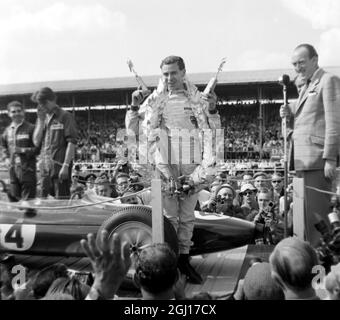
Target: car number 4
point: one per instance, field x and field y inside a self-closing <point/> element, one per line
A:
<point x="17" y="237"/>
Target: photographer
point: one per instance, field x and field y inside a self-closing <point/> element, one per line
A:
<point x="223" y="202"/>
<point x="267" y="216"/>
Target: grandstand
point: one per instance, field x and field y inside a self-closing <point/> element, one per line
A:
<point x="248" y="104"/>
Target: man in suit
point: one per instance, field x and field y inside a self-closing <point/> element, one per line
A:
<point x="314" y="121"/>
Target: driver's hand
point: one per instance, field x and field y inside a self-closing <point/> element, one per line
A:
<point x="211" y="98"/>
<point x="138" y="96"/>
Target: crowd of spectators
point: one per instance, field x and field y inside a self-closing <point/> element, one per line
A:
<point x="288" y="275"/>
<point x="101" y="138"/>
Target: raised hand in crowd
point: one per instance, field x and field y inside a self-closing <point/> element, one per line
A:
<point x="110" y="260"/>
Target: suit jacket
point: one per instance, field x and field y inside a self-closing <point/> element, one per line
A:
<point x="316" y="123"/>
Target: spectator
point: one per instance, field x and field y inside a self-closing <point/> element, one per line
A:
<point x="225" y="196"/>
<point x="56" y="134"/>
<point x="258" y="284"/>
<point x="261" y="180"/>
<point x="71" y="286"/>
<point x="90" y="181"/>
<point x="249" y="206"/>
<point x="332" y="283"/>
<point x="156" y="272"/>
<point x="20" y="154"/>
<point x="6" y="288"/>
<point x="110" y="260"/>
<point x="291" y="263"/>
<point x="103" y="187"/>
<point x="277" y="187"/>
<point x="45" y="278"/>
<point x="122" y="183"/>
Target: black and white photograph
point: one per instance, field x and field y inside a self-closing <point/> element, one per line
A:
<point x="170" y="150"/>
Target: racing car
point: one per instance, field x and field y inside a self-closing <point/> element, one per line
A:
<point x="53" y="227"/>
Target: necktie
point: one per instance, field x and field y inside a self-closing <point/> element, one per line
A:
<point x="304" y="89"/>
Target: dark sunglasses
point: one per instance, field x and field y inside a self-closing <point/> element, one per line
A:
<point x="248" y="193"/>
<point x="276" y="181"/>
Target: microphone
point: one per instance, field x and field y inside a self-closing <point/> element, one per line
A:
<point x="284" y="80"/>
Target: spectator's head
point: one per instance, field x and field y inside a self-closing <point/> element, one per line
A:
<point x="259" y="285"/>
<point x="260" y="180"/>
<point x="248" y="192"/>
<point x="292" y="262"/>
<point x="332" y="283"/>
<point x="130" y="198"/>
<point x="156" y="271"/>
<point x="45" y="278"/>
<point x="277" y="182"/>
<point x="264" y="199"/>
<point x="71" y="286"/>
<point x="45" y="98"/>
<point x="226" y="194"/>
<point x="247" y="177"/>
<point x="173" y="72"/>
<point x="77" y="191"/>
<point x="90" y="180"/>
<point x="122" y="183"/>
<point x="305" y="61"/>
<point x="16" y="111"/>
<point x="103" y="187"/>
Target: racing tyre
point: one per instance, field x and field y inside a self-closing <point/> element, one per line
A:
<point x="133" y="224"/>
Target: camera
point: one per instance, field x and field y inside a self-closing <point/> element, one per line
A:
<point x="329" y="250"/>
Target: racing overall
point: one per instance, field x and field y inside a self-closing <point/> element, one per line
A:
<point x="173" y="123"/>
<point x="22" y="168"/>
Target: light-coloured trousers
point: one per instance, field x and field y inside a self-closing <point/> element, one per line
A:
<point x="181" y="213"/>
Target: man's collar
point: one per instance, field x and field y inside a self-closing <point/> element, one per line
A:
<point x="314" y="76"/>
<point x="16" y="125"/>
<point x="56" y="110"/>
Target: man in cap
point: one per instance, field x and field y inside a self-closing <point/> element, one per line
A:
<point x="56" y="134"/>
<point x="225" y="194"/>
<point x="260" y="180"/>
<point x="249" y="205"/>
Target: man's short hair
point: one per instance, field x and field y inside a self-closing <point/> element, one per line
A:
<point x="173" y="59"/>
<point x="156" y="268"/>
<point x="43" y="95"/>
<point x="45" y="278"/>
<point x="16" y="104"/>
<point x="293" y="260"/>
<point x="311" y="50"/>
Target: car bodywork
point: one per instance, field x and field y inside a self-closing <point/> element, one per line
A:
<point x="50" y="230"/>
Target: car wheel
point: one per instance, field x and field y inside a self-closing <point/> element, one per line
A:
<point x="133" y="224"/>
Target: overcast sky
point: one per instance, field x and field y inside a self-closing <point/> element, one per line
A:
<point x="79" y="39"/>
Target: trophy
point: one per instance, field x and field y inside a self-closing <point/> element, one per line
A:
<point x="138" y="78"/>
<point x="213" y="81"/>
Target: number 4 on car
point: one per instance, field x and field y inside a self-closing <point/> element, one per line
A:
<point x="17" y="236"/>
